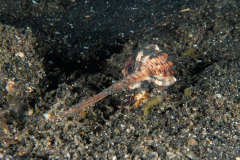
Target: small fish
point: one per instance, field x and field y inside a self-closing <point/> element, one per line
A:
<point x="149" y="64"/>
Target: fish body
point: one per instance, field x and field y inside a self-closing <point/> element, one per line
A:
<point x="149" y="64"/>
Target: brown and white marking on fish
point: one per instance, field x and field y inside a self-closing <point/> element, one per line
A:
<point x="149" y="64"/>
